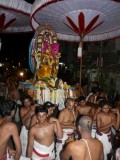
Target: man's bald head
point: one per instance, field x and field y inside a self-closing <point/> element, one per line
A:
<point x="85" y="123"/>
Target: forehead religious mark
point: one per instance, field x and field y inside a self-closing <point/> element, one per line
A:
<point x="41" y="114"/>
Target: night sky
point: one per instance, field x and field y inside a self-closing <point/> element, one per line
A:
<point x="15" y="46"/>
<point x="30" y="1"/>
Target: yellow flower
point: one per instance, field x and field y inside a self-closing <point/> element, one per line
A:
<point x="66" y="86"/>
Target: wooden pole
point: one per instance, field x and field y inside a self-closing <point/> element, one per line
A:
<point x="81" y="45"/>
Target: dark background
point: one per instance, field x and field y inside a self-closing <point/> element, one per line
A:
<point x="30" y="1"/>
<point x="15" y="47"/>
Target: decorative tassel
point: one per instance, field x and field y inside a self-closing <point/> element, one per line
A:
<point x="79" y="53"/>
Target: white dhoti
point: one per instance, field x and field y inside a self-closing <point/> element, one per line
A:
<point x="24" y="158"/>
<point x="67" y="133"/>
<point x="94" y="129"/>
<point x="105" y="139"/>
<point x="21" y="158"/>
<point x="17" y="117"/>
<point x="24" y="140"/>
<point x="12" y="158"/>
<point x="41" y="152"/>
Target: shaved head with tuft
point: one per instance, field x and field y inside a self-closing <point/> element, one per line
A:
<point x="85" y="122"/>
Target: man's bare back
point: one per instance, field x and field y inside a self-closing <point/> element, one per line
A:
<point x="4" y="137"/>
<point x="81" y="152"/>
<point x="86" y="148"/>
<point x="7" y="129"/>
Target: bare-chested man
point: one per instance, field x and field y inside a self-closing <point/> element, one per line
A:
<point x="15" y="96"/>
<point x="106" y="119"/>
<point x="86" y="148"/>
<point x="8" y="129"/>
<point x="67" y="119"/>
<point x="76" y="91"/>
<point x="26" y="113"/>
<point x="93" y="114"/>
<point x="41" y="136"/>
<point x="103" y="94"/>
<point x="49" y="106"/>
<point x="95" y="93"/>
<point x="82" y="108"/>
<point x="14" y="93"/>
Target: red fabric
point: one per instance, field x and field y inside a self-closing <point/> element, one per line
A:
<point x="95" y="27"/>
<point x="81" y="30"/>
<point x="2" y="20"/>
<point x="81" y="21"/>
<point x="39" y="154"/>
<point x="74" y="27"/>
<point x="91" y="24"/>
<point x="12" y="20"/>
<point x="9" y="23"/>
<point x="117" y="1"/>
<point x="4" y="157"/>
<point x="70" y="134"/>
<point x="109" y="137"/>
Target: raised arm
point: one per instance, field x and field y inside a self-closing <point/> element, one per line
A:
<point x="26" y="116"/>
<point x="33" y="120"/>
<point x="57" y="128"/>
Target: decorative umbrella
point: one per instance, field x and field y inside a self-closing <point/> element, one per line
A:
<point x="78" y="20"/>
<point x="14" y="16"/>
